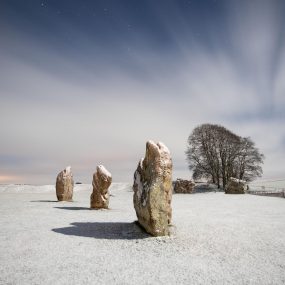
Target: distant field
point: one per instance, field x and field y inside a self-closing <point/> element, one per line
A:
<point x="268" y="185"/>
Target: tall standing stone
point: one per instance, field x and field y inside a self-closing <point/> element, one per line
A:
<point x="64" y="185"/>
<point x="152" y="189"/>
<point x="102" y="179"/>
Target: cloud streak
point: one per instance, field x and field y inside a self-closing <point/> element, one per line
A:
<point x="99" y="103"/>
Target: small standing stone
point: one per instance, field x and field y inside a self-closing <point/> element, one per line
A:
<point x="64" y="185"/>
<point x="153" y="189"/>
<point x="184" y="186"/>
<point x="235" y="186"/>
<point x="102" y="179"/>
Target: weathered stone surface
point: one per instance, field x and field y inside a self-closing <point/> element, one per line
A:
<point x="235" y="186"/>
<point x="102" y="179"/>
<point x="184" y="186"/>
<point x="152" y="189"/>
<point x="64" y="185"/>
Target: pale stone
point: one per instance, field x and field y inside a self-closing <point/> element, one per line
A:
<point x="64" y="185"/>
<point x="184" y="186"/>
<point x="102" y="180"/>
<point x="152" y="189"/>
<point x="236" y="186"/>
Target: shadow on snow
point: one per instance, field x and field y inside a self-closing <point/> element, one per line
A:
<point x="45" y="201"/>
<point x="73" y="208"/>
<point x="103" y="230"/>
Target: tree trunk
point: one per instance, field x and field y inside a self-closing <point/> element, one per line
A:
<point x="218" y="181"/>
<point x="224" y="182"/>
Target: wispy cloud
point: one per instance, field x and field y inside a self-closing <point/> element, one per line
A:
<point x="102" y="106"/>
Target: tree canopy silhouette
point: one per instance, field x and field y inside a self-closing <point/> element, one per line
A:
<point x="214" y="152"/>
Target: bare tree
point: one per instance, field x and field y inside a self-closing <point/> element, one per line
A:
<point x="200" y="153"/>
<point x="249" y="160"/>
<point x="216" y="153"/>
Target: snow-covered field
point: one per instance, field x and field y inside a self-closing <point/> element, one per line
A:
<point x="218" y="239"/>
<point x="268" y="185"/>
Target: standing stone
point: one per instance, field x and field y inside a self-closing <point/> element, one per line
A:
<point x="235" y="186"/>
<point x="102" y="179"/>
<point x="152" y="189"/>
<point x="184" y="186"/>
<point x="64" y="185"/>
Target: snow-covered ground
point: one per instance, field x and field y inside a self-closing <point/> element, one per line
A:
<point x="218" y="239"/>
<point x="268" y="185"/>
<point x="25" y="188"/>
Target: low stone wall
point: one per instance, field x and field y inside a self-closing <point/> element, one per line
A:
<point x="235" y="186"/>
<point x="183" y="186"/>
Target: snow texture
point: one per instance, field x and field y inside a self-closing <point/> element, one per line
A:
<point x="163" y="147"/>
<point x="25" y="188"/>
<point x="219" y="239"/>
<point x="68" y="170"/>
<point x="237" y="180"/>
<point x="103" y="170"/>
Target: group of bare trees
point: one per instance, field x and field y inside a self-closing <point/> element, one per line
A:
<point x="215" y="153"/>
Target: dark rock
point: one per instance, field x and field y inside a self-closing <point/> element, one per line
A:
<point x="235" y="186"/>
<point x="184" y="186"/>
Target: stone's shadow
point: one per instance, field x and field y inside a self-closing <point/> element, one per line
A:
<point x="73" y="208"/>
<point x="44" y="201"/>
<point x="116" y="231"/>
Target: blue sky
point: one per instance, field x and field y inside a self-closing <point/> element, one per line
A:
<point x="84" y="83"/>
